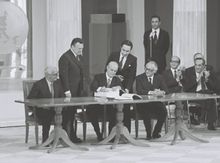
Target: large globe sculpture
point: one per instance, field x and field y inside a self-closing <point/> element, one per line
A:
<point x="13" y="27"/>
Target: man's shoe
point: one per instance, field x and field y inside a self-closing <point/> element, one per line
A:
<point x="77" y="140"/>
<point x="211" y="127"/>
<point x="156" y="135"/>
<point x="100" y="138"/>
<point x="195" y="122"/>
<point x="148" y="137"/>
<point x="112" y="141"/>
<point x="201" y="120"/>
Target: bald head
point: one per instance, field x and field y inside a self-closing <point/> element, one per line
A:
<point x="175" y="58"/>
<point x="51" y="73"/>
<point x="112" y="68"/>
<point x="197" y="55"/>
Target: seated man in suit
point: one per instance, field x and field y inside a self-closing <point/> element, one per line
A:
<point x="213" y="76"/>
<point x="126" y="73"/>
<point x="48" y="87"/>
<point x="201" y="80"/>
<point x="104" y="82"/>
<point x="174" y="80"/>
<point x="151" y="83"/>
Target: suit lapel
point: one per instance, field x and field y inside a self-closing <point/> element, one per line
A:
<point x="126" y="62"/>
<point x="170" y="74"/>
<point x="155" y="81"/>
<point x="104" y="80"/>
<point x="194" y="73"/>
<point x="56" y="92"/>
<point x="72" y="56"/>
<point x="46" y="88"/>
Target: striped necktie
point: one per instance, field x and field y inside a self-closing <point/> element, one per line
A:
<point x="52" y="89"/>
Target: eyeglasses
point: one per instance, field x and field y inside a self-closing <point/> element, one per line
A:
<point x="150" y="70"/>
<point x="174" y="61"/>
<point x="56" y="74"/>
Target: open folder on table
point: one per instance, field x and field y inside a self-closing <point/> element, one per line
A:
<point x="128" y="96"/>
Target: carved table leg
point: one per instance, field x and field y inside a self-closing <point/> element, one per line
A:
<point x="58" y="135"/>
<point x="179" y="128"/>
<point x="119" y="131"/>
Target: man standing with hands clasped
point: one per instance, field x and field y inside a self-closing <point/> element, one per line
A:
<point x="157" y="42"/>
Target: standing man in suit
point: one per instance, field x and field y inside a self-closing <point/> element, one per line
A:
<point x="200" y="80"/>
<point x="104" y="83"/>
<point x="160" y="44"/>
<point x="48" y="87"/>
<point x="126" y="73"/>
<point x="71" y="76"/>
<point x="151" y="83"/>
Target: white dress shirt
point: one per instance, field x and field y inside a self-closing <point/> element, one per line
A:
<point x="124" y="60"/>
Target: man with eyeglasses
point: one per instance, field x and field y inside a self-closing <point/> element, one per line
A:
<point x="174" y="79"/>
<point x="151" y="83"/>
<point x="47" y="87"/>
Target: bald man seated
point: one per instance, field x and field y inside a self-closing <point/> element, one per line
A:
<point x="103" y="83"/>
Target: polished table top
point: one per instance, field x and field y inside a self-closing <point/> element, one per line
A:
<point x="97" y="100"/>
<point x="119" y="131"/>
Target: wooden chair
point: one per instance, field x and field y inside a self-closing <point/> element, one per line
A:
<point x="85" y="118"/>
<point x="30" y="113"/>
<point x="188" y="105"/>
<point x="136" y="116"/>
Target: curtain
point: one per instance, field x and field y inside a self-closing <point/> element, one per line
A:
<point x="63" y="24"/>
<point x="189" y="29"/>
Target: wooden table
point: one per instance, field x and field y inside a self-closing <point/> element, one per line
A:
<point x="58" y="135"/>
<point x="180" y="128"/>
<point x="119" y="131"/>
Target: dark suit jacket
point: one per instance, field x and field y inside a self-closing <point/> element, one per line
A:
<point x="40" y="89"/>
<point x="159" y="51"/>
<point x="71" y="73"/>
<point x="128" y="71"/>
<point x="143" y="86"/>
<point x="171" y="82"/>
<point x="190" y="80"/>
<point x="101" y="81"/>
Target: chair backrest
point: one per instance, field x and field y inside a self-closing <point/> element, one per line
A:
<point x="134" y="87"/>
<point x="27" y="86"/>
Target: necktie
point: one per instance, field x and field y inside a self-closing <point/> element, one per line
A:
<point x="203" y="83"/>
<point x="155" y="37"/>
<point x="80" y="61"/>
<point x="120" y="63"/>
<point x="108" y="82"/>
<point x="52" y="89"/>
<point x="175" y="74"/>
<point x="78" y="58"/>
<point x="149" y="79"/>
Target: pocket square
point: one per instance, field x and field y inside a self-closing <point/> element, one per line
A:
<point x="129" y="65"/>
